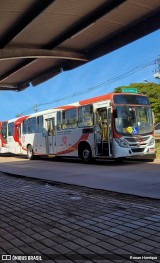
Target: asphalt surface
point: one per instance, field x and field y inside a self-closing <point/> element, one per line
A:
<point x="131" y="177"/>
<point x="49" y="221"/>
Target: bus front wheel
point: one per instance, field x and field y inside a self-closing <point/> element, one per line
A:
<point x="30" y="153"/>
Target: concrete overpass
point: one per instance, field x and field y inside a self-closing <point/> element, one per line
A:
<point x="40" y="39"/>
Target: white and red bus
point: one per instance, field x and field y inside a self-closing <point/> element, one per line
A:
<point x="3" y="137"/>
<point x="115" y="125"/>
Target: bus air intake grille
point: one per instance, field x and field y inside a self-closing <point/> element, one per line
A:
<point x="138" y="150"/>
<point x="137" y="139"/>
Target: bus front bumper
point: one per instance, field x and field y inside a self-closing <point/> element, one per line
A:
<point x="121" y="148"/>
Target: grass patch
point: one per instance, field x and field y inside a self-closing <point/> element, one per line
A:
<point x="158" y="148"/>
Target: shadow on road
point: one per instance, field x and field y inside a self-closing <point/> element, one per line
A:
<point x="108" y="162"/>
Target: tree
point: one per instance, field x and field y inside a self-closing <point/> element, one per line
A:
<point x="152" y="91"/>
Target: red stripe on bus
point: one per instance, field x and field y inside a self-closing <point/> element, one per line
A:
<point x="24" y="149"/>
<point x="19" y="120"/>
<point x="66" y="107"/>
<point x="75" y="146"/>
<point x="97" y="99"/>
<point x="16" y="131"/>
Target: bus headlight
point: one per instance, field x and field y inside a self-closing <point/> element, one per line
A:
<point x="151" y="142"/>
<point x="122" y="142"/>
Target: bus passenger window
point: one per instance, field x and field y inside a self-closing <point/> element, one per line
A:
<point x="24" y="127"/>
<point x="69" y="118"/>
<point x="11" y="129"/>
<point x="63" y="120"/>
<point x="85" y="116"/>
<point x="39" y="124"/>
<point x="31" y="125"/>
<point x="59" y="122"/>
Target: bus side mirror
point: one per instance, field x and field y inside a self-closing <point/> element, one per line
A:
<point x="115" y="113"/>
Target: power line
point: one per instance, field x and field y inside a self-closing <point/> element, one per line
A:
<point x="124" y="75"/>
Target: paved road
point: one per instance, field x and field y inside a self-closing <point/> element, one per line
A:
<point x="131" y="177"/>
<point x="72" y="224"/>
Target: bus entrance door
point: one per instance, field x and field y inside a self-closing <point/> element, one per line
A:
<point x="50" y="137"/>
<point x="109" y="131"/>
<point x="17" y="138"/>
<point x="102" y="131"/>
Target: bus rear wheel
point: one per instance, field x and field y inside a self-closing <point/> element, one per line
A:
<point x="86" y="154"/>
<point x="30" y="153"/>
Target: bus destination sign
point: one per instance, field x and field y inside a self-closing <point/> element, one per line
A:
<point x="130" y="90"/>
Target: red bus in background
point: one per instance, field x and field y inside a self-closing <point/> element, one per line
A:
<point x="3" y="137"/>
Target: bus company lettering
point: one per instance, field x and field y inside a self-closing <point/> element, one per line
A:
<point x="24" y="258"/>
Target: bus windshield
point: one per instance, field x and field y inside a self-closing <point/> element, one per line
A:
<point x="133" y="120"/>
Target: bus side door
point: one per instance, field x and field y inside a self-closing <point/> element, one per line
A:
<point x="39" y="140"/>
<point x="109" y="131"/>
<point x="103" y="134"/>
<point x="50" y="136"/>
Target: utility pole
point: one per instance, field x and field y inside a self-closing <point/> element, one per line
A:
<point x="18" y="115"/>
<point x="157" y="71"/>
<point x="35" y="107"/>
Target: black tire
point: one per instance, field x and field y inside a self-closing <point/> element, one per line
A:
<point x="86" y="155"/>
<point x="30" y="153"/>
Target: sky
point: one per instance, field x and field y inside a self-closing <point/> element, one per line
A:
<point x="133" y="63"/>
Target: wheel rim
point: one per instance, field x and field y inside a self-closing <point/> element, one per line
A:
<point x="86" y="154"/>
<point x="30" y="153"/>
